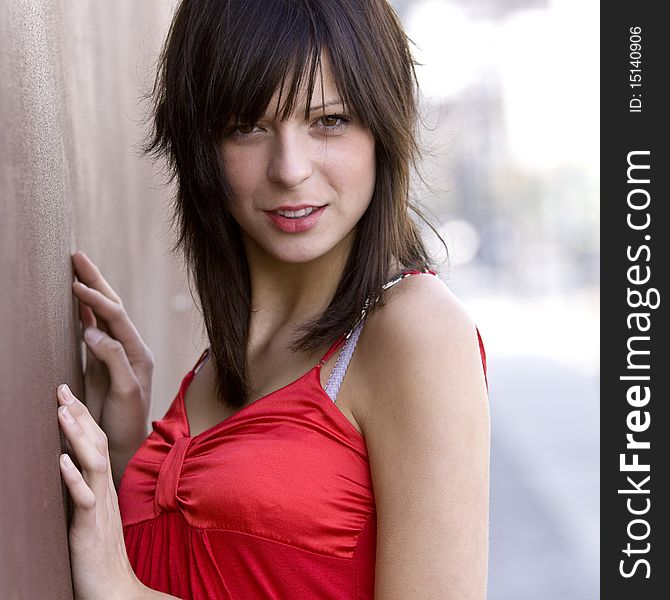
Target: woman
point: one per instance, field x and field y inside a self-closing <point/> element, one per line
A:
<point x="289" y="127"/>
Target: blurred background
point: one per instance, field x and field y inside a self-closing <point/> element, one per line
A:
<point x="510" y="95"/>
<point x="511" y="110"/>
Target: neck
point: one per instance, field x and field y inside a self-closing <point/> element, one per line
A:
<point x="289" y="294"/>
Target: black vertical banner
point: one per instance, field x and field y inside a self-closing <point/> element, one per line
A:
<point x="635" y="416"/>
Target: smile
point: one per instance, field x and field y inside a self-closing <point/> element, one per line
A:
<point x="296" y="221"/>
<point x="296" y="214"/>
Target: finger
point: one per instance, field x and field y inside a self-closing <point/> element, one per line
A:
<point x="96" y="384"/>
<point x="88" y="441"/>
<point x="82" y="495"/>
<point x="112" y="353"/>
<point x="118" y="323"/>
<point x="96" y="373"/>
<point x="86" y="446"/>
<point x="86" y="316"/>
<point x="88" y="273"/>
<point x="80" y="413"/>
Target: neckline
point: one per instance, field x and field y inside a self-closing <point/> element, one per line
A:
<point x="210" y="430"/>
<point x="316" y="368"/>
<point x="355" y="436"/>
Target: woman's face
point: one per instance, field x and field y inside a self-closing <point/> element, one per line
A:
<point x="324" y="165"/>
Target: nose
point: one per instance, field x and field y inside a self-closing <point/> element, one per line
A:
<point x="290" y="161"/>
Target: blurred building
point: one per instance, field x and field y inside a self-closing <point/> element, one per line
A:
<point x="511" y="137"/>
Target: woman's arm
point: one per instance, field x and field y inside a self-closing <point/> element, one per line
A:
<point x="425" y="417"/>
<point x="100" y="566"/>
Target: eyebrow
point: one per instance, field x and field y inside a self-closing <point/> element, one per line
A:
<point x="329" y="103"/>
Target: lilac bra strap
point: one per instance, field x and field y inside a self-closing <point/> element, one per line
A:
<point x="337" y="374"/>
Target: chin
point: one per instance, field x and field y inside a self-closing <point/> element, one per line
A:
<point x="297" y="258"/>
<point x="299" y="253"/>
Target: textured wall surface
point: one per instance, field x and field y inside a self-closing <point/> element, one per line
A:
<point x="71" y="78"/>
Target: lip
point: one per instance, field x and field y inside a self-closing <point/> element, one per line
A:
<point x="296" y="207"/>
<point x="296" y="225"/>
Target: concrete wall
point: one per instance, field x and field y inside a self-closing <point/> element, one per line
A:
<point x="71" y="77"/>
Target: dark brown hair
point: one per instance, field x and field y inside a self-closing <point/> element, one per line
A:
<point x="223" y="60"/>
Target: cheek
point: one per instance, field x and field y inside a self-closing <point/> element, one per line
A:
<point x="357" y="173"/>
<point x="243" y="168"/>
<point x="365" y="159"/>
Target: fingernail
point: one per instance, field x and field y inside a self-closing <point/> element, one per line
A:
<point x="67" y="417"/>
<point x="66" y="394"/>
<point x="67" y="461"/>
<point x="92" y="335"/>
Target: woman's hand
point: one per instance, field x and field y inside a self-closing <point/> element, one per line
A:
<point x="100" y="566"/>
<point x="119" y="365"/>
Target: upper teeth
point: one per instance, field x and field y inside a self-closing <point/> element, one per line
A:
<point x="296" y="213"/>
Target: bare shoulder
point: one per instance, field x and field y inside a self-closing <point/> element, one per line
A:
<point x="423" y="409"/>
<point x="419" y="360"/>
<point x="423" y="332"/>
<point x="417" y="305"/>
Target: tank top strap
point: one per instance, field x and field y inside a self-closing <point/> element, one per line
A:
<point x="332" y="350"/>
<point x="396" y="279"/>
<point x="482" y="353"/>
<point x="404" y="274"/>
<point x="201" y="361"/>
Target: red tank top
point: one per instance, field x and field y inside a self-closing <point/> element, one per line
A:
<point x="273" y="502"/>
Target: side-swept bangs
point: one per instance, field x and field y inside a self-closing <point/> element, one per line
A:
<point x="236" y="54"/>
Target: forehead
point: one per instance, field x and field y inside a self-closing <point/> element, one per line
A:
<point x="325" y="92"/>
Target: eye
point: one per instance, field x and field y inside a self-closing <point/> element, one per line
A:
<point x="333" y="123"/>
<point x="239" y="130"/>
<point x="245" y="128"/>
<point x="331" y="120"/>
